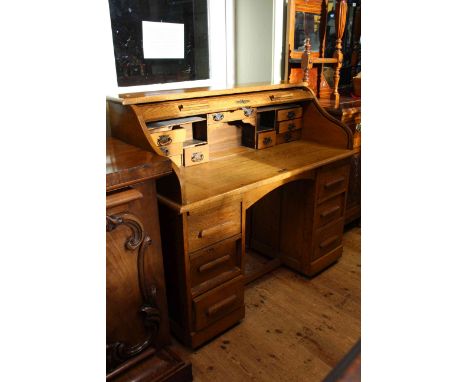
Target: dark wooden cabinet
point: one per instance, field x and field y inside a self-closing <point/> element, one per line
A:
<point x="137" y="324"/>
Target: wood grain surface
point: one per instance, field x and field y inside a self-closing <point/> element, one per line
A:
<point x="127" y="164"/>
<point x="236" y="174"/>
<point x="295" y="328"/>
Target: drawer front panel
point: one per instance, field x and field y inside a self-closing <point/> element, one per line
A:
<point x="211" y="266"/>
<point x="288" y="136"/>
<point x="170" y="150"/>
<point x="329" y="211"/>
<point x="235" y="115"/>
<point x="196" y="155"/>
<point x="329" y="238"/>
<point x="286" y="126"/>
<point x="332" y="181"/>
<point x="218" y="303"/>
<point x="209" y="226"/>
<point x="267" y="139"/>
<point x="165" y="138"/>
<point x="287" y="114"/>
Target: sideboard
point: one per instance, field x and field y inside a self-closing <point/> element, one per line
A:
<point x="137" y="324"/>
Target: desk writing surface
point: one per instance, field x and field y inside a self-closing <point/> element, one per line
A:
<point x="239" y="173"/>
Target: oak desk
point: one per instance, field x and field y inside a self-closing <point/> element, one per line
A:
<point x="259" y="173"/>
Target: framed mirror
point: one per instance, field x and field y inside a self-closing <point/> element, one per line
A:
<point x="187" y="18"/>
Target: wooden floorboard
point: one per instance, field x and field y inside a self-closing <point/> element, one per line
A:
<point x="295" y="328"/>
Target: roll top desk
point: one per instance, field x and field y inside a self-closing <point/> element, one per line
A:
<point x="260" y="176"/>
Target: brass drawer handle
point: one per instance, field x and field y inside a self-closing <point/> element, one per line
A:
<point x="334" y="182"/>
<point x="291" y="126"/>
<point x="213" y="230"/>
<point x="214" y="309"/>
<point x="213" y="264"/>
<point x="288" y="136"/>
<point x="218" y="116"/>
<point x="197" y="157"/>
<point x="267" y="140"/>
<point x="291" y="114"/>
<point x="248" y="111"/>
<point x="328" y="242"/>
<point x="330" y="211"/>
<point x="164" y="140"/>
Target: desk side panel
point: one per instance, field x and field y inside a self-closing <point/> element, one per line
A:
<point x="175" y="269"/>
<point x="125" y="125"/>
<point x="321" y="127"/>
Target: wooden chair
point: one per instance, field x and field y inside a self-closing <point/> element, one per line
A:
<point x="306" y="63"/>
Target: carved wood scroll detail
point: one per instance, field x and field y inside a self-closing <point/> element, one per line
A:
<point x="118" y="352"/>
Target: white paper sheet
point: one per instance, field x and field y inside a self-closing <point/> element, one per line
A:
<point x="163" y="40"/>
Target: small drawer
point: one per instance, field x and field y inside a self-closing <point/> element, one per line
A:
<point x="170" y="150"/>
<point x="332" y="181"/>
<point x="329" y="211"/>
<point x="266" y="139"/>
<point x="214" y="265"/>
<point x="208" y="226"/>
<point x="165" y="138"/>
<point x="218" y="303"/>
<point x="235" y="115"/>
<point x="288" y="136"/>
<point x="329" y="238"/>
<point x="286" y="126"/>
<point x="196" y="155"/>
<point x="287" y="114"/>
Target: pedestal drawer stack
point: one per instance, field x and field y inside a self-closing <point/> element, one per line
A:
<point x="330" y="198"/>
<point x="214" y="290"/>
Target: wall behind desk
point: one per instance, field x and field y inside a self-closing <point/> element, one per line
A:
<point x="254" y="40"/>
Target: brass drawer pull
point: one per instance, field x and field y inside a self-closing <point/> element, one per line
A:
<point x="330" y="211"/>
<point x="214" y="309"/>
<point x="334" y="182"/>
<point x="328" y="242"/>
<point x="164" y="140"/>
<point x="291" y="126"/>
<point x="288" y="136"/>
<point x="213" y="264"/>
<point x="213" y="230"/>
<point x="197" y="157"/>
<point x="267" y="140"/>
<point x="218" y="116"/>
<point x="248" y="111"/>
<point x="291" y="114"/>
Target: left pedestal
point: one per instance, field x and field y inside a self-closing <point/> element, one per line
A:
<point x="137" y="325"/>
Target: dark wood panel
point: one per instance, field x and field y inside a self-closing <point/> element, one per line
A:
<point x="296" y="211"/>
<point x="265" y="224"/>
